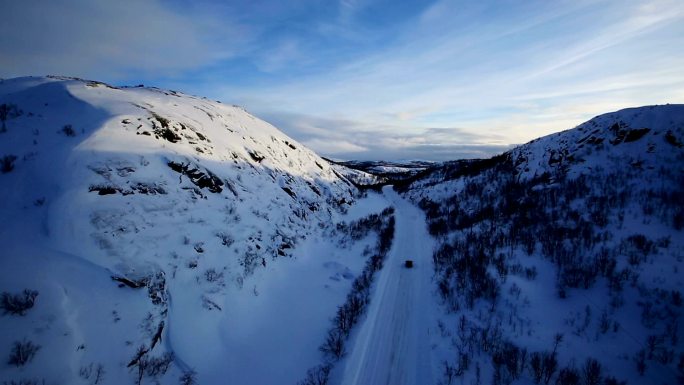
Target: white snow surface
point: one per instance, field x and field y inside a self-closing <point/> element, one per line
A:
<point x="612" y="136"/>
<point x="646" y="142"/>
<point x="246" y="279"/>
<point x="638" y="138"/>
<point x="357" y="176"/>
<point x="230" y="224"/>
<point x="392" y="345"/>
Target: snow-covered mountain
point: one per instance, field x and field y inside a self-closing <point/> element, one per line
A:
<point x="375" y="173"/>
<point x="645" y="138"/>
<point x="144" y="218"/>
<point x="560" y="260"/>
<point x="155" y="237"/>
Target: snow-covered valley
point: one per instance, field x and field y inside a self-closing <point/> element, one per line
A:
<point x="165" y="238"/>
<point x="393" y="344"/>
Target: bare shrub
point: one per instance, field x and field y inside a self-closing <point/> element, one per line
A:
<point x="68" y="130"/>
<point x="211" y="275"/>
<point x="7" y="163"/>
<point x="152" y="367"/>
<point x="334" y="344"/>
<point x="592" y="372"/>
<point x="188" y="378"/>
<point x="156" y="367"/>
<point x="568" y="376"/>
<point x="22" y="353"/>
<point x="18" y="304"/>
<point x="318" y="375"/>
<point x="93" y="373"/>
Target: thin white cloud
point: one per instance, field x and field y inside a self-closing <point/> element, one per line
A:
<point x="334" y="147"/>
<point x="641" y="19"/>
<point x="506" y="83"/>
<point x="109" y="38"/>
<point x="350" y="139"/>
<point x="502" y="72"/>
<point x="286" y="52"/>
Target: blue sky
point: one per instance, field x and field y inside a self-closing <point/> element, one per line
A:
<point x="371" y="79"/>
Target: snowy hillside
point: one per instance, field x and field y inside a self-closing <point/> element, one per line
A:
<point x="559" y="261"/>
<point x="149" y="222"/>
<point x="643" y="138"/>
<point x="155" y="237"/>
<point x="375" y="173"/>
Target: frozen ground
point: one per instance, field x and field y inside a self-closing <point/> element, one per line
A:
<point x="222" y="233"/>
<point x="215" y="216"/>
<point x="392" y="345"/>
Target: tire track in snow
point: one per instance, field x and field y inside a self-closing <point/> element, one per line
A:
<point x="392" y="345"/>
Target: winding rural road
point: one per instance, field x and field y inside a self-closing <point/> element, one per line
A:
<point x="392" y="345"/>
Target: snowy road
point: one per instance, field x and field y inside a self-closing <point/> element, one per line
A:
<point x="393" y="342"/>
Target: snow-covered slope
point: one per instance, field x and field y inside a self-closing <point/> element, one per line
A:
<point x="154" y="237"/>
<point x="146" y="220"/>
<point x="641" y="138"/>
<point x="358" y="177"/>
<point x="90" y="150"/>
<point x="379" y="173"/>
<point x="561" y="259"/>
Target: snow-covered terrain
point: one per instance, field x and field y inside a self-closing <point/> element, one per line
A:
<point x="155" y="237"/>
<point x="154" y="223"/>
<point x="393" y="344"/>
<point x="375" y="173"/>
<point x="561" y="259"/>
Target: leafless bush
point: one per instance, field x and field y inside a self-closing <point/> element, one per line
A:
<point x="568" y="376"/>
<point x="211" y="275"/>
<point x="226" y="239"/>
<point x="22" y="353"/>
<point x="318" y="375"/>
<point x="8" y="111"/>
<point x="188" y="378"/>
<point x="543" y="365"/>
<point x="7" y="163"/>
<point x="68" y="130"/>
<point x="18" y="303"/>
<point x="93" y="373"/>
<point x="156" y="367"/>
<point x="152" y="367"/>
<point x="334" y="344"/>
<point x="592" y="372"/>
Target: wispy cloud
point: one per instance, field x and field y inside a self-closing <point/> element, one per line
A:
<point x="630" y="22"/>
<point x="110" y="38"/>
<point x="349" y="139"/>
<point x="372" y="78"/>
<point x="523" y="73"/>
